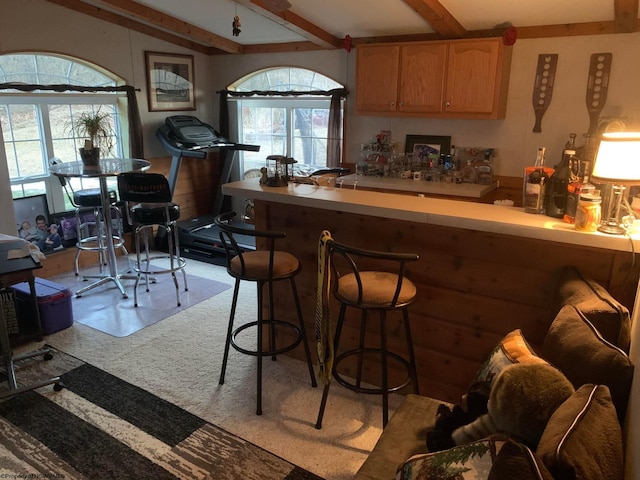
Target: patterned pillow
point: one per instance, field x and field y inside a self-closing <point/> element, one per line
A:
<point x="513" y="348"/>
<point x="583" y="439"/>
<point x="576" y="347"/>
<point x="474" y="460"/>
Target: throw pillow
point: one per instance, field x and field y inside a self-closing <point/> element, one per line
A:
<point x="513" y="348"/>
<point x="516" y="460"/>
<point x="609" y="316"/>
<point x="576" y="347"/>
<point x="474" y="460"/>
<point x="583" y="438"/>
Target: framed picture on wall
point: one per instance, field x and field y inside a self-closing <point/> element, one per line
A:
<point x="170" y="82"/>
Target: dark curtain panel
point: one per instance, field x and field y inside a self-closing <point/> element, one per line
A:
<point x="334" y="142"/>
<point x="224" y="114"/>
<point x="136" y="146"/>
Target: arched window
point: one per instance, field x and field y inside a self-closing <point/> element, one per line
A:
<point x="36" y="125"/>
<point x="282" y="118"/>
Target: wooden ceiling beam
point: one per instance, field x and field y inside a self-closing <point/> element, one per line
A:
<point x="295" y="23"/>
<point x="438" y="18"/>
<point x="626" y="15"/>
<point x="153" y="18"/>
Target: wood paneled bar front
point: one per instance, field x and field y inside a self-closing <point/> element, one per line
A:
<point x="484" y="270"/>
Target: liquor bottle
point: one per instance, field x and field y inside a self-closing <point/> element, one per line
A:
<point x="485" y="170"/>
<point x="469" y="173"/>
<point x="577" y="186"/>
<point x="557" y="188"/>
<point x="535" y="184"/>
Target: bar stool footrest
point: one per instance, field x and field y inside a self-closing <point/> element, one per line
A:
<point x="370" y="390"/>
<point x="267" y="323"/>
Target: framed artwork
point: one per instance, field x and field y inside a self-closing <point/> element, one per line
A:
<point x="425" y="146"/>
<point x="170" y="82"/>
<point x="34" y="223"/>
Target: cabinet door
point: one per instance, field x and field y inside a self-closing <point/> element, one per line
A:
<point x="422" y="77"/>
<point x="377" y="78"/>
<point x="472" y="76"/>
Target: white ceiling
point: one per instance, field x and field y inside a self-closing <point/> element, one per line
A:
<point x="370" y="18"/>
<point x="361" y="19"/>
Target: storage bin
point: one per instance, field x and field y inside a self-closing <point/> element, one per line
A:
<point x="54" y="304"/>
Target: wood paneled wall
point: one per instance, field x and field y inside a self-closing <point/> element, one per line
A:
<point x="474" y="287"/>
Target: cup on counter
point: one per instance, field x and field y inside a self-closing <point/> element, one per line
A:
<point x="417" y="175"/>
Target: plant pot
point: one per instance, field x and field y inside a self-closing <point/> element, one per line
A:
<point x="90" y="157"/>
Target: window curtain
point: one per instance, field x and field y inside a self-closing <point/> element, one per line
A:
<point x="136" y="146"/>
<point x="334" y="141"/>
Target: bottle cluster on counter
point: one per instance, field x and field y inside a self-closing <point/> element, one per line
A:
<point x="563" y="191"/>
<point x="460" y="165"/>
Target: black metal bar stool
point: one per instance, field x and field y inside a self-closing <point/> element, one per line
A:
<point x="90" y="227"/>
<point x="383" y="289"/>
<point x="263" y="267"/>
<point x="149" y="206"/>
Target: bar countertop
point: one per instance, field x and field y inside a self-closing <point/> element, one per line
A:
<point x="453" y="213"/>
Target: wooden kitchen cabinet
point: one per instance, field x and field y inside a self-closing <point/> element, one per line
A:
<point x="448" y="79"/>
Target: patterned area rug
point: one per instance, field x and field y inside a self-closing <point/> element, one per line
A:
<point x="99" y="426"/>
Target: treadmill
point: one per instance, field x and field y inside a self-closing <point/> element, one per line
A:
<point x="185" y="136"/>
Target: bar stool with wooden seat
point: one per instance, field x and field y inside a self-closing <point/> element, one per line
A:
<point x="149" y="207"/>
<point x="263" y="267"/>
<point x="368" y="281"/>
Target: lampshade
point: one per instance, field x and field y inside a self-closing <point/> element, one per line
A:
<point x="618" y="158"/>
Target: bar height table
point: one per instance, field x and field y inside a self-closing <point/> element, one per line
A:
<point x="107" y="167"/>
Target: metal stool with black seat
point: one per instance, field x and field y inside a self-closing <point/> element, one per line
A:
<point x="90" y="227"/>
<point x="263" y="266"/>
<point x="368" y="281"/>
<point x="149" y="207"/>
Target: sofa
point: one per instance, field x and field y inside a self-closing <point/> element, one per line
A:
<point x="588" y="341"/>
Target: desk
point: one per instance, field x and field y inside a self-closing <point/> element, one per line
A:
<point x="11" y="272"/>
<point x="108" y="167"/>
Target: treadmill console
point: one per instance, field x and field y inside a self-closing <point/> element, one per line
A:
<point x="189" y="131"/>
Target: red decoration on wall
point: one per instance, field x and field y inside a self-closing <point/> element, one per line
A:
<point x="348" y="43"/>
<point x="510" y="36"/>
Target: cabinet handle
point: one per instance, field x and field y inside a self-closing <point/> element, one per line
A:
<point x="447" y="104"/>
<point x="400" y="104"/>
<point x="392" y="103"/>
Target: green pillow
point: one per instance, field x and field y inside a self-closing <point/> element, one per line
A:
<point x="583" y="439"/>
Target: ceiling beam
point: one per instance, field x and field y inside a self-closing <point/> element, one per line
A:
<point x="155" y="18"/>
<point x="295" y="23"/>
<point x="438" y="18"/>
<point x="626" y="15"/>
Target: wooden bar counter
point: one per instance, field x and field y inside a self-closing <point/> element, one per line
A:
<point x="484" y="269"/>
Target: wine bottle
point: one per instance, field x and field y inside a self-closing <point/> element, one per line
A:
<point x="535" y="184"/>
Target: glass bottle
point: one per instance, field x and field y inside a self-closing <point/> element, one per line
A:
<point x="577" y="186"/>
<point x="589" y="212"/>
<point x="557" y="188"/>
<point x="469" y="173"/>
<point x="485" y="170"/>
<point x="535" y="184"/>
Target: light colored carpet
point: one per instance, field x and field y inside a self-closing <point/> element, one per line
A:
<point x="179" y="360"/>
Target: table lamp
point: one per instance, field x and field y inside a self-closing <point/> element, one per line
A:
<point x="617" y="162"/>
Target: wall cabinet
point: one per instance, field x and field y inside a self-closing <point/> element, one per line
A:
<point x="448" y="79"/>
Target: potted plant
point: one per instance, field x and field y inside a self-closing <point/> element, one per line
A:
<point x="96" y="128"/>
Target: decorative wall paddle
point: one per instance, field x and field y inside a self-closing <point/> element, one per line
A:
<point x="543" y="86"/>
<point x="597" y="86"/>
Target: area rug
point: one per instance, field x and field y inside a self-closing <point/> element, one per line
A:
<point x="104" y="308"/>
<point x="99" y="426"/>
